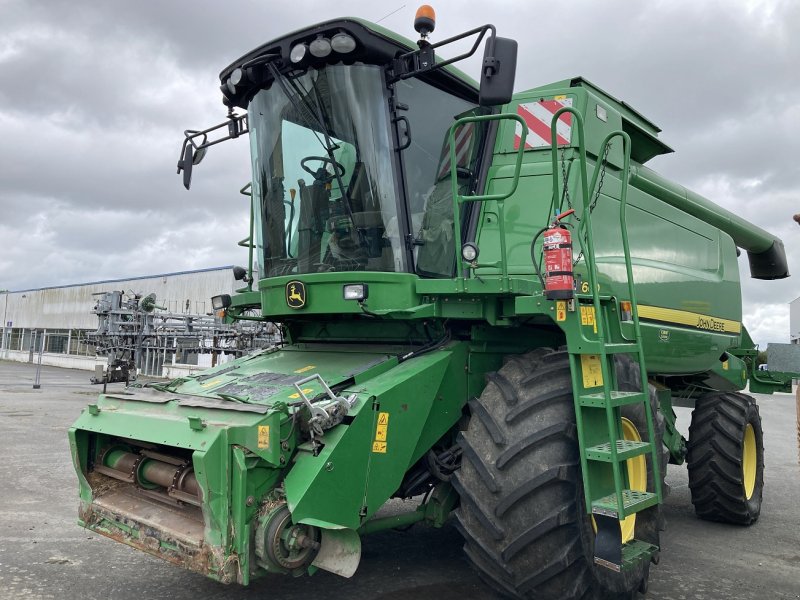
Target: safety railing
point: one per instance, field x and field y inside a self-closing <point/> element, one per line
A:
<point x="585" y="232"/>
<point x="459" y="199"/>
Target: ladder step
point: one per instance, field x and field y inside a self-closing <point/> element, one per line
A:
<point x="625" y="449"/>
<point x="632" y="552"/>
<point x="616" y="398"/>
<point x="597" y="347"/>
<point x="632" y="502"/>
<point x="622" y="348"/>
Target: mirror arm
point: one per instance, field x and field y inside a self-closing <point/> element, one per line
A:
<point x="408" y="65"/>
<point x="237" y="125"/>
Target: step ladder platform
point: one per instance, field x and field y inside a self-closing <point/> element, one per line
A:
<point x="616" y="398"/>
<point x="625" y="449"/>
<point x="622" y="348"/>
<point x="632" y="502"/>
<point x="632" y="553"/>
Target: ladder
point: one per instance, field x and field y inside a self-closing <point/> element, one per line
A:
<point x="603" y="448"/>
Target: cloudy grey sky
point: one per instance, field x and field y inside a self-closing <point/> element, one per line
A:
<point x="94" y="97"/>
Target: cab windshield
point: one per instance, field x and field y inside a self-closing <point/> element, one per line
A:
<point x="322" y="174"/>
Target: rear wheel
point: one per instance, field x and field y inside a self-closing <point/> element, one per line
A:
<point x="726" y="458"/>
<point x="522" y="505"/>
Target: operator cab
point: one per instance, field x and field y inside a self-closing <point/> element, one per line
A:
<point x="350" y="157"/>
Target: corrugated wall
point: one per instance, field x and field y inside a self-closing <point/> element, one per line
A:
<point x="70" y="307"/>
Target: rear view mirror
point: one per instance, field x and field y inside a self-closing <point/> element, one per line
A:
<point x="499" y="71"/>
<point x="186" y="163"/>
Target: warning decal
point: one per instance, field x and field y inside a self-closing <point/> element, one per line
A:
<point x="381" y="432"/>
<point x="538" y="117"/>
<point x="587" y="317"/>
<point x="561" y="310"/>
<point x="591" y="370"/>
<point x="263" y="436"/>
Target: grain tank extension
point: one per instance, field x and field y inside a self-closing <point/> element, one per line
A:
<point x="488" y="303"/>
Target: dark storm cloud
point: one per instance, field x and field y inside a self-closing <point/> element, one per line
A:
<point x="94" y="97"/>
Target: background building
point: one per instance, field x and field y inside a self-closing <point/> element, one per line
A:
<point x="62" y="316"/>
<point x="794" y="321"/>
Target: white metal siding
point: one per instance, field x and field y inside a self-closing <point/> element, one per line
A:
<point x="71" y="307"/>
<point x="794" y="321"/>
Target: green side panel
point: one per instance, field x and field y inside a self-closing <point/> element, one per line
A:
<point x="324" y="293"/>
<point x="728" y="375"/>
<point x="358" y="470"/>
<point x="679" y="261"/>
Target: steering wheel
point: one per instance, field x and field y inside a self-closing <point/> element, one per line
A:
<point x="337" y="166"/>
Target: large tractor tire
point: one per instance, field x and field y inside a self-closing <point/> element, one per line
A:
<point x="726" y="458"/>
<point x="522" y="511"/>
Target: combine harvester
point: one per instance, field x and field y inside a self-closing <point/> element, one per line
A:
<point x="488" y="302"/>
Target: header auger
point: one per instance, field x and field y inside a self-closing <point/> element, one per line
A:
<point x="488" y="303"/>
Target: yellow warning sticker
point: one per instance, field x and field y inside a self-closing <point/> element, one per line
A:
<point x="587" y="317"/>
<point x="592" y="371"/>
<point x="561" y="310"/>
<point x="381" y="432"/>
<point x="263" y="436"/>
<point x="305" y="391"/>
<point x="561" y="97"/>
<point x="725" y="366"/>
<point x="210" y="383"/>
<point x="304" y="369"/>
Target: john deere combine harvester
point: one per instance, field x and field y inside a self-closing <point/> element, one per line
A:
<point x="487" y="301"/>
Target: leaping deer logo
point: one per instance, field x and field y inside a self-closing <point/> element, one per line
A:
<point x="295" y="294"/>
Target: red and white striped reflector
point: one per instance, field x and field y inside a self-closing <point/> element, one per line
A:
<point x="463" y="140"/>
<point x="538" y="116"/>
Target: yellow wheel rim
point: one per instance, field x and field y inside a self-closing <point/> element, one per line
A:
<point x="749" y="461"/>
<point x="637" y="476"/>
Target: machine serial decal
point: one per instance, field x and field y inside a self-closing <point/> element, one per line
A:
<point x="690" y="319"/>
<point x="295" y="294"/>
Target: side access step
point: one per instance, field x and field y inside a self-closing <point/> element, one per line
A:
<point x="626" y="556"/>
<point x="625" y="449"/>
<point x="614" y="399"/>
<point x="632" y="502"/>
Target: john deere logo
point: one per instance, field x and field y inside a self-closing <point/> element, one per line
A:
<point x="296" y="294"/>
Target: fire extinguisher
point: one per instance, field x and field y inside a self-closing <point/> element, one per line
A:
<point x="557" y="249"/>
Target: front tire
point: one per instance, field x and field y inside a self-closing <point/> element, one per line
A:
<point x="726" y="458"/>
<point x="522" y="504"/>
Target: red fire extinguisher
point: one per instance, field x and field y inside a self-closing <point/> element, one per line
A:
<point x="557" y="250"/>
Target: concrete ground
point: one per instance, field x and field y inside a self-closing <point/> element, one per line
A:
<point x="44" y="554"/>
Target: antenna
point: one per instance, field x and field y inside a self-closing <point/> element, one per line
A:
<point x="390" y="14"/>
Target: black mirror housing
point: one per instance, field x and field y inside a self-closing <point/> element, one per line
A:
<point x="186" y="163"/>
<point x="499" y="72"/>
<point x="239" y="273"/>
